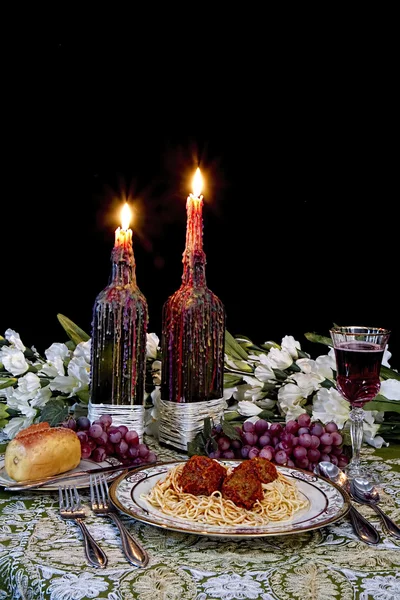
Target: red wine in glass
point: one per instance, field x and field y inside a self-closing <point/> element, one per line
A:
<point x="358" y="366"/>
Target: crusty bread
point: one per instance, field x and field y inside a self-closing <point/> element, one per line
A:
<point x="40" y="451"/>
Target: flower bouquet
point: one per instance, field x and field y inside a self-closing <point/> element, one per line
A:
<point x="273" y="382"/>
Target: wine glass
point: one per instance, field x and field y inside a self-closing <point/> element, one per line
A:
<point x="358" y="352"/>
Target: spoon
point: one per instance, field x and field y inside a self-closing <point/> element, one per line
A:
<point x="366" y="493"/>
<point x="363" y="528"/>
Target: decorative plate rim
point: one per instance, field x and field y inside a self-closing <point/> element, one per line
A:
<point x="310" y="479"/>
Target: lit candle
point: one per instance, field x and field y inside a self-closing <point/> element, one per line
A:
<point x="123" y="236"/>
<point x="194" y="209"/>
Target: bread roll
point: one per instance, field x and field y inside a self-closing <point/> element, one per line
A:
<point x="40" y="451"/>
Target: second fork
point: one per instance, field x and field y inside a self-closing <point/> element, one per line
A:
<point x="101" y="506"/>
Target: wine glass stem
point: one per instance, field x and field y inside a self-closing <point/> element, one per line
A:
<point x="356" y="433"/>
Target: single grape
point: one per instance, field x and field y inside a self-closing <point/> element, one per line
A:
<point x="305" y="440"/>
<point x="215" y="454"/>
<point x="236" y="444"/>
<point x="109" y="448"/>
<point x="133" y="451"/>
<point x="313" y="455"/>
<point x="245" y="451"/>
<point x="248" y="426"/>
<point x="281" y="457"/>
<point x="287" y="438"/>
<point x="343" y="460"/>
<point x="260" y="426"/>
<point x="86" y="450"/>
<point x="123" y="429"/>
<point x="115" y="435"/>
<point x="250" y="438"/>
<point x="331" y="427"/>
<point x="302" y="463"/>
<point x="92" y="443"/>
<point x="83" y="437"/>
<point x="299" y="452"/>
<point x="69" y="423"/>
<point x="266" y="452"/>
<point x="95" y="431"/>
<point x="227" y="454"/>
<point x="152" y="457"/>
<point x="326" y="439"/>
<point x="336" y="450"/>
<point x="132" y="437"/>
<point x="290" y="463"/>
<point x="292" y="426"/>
<point x="106" y="420"/>
<point x="334" y="459"/>
<point x="99" y="454"/>
<point x="275" y="429"/>
<point x="82" y="423"/>
<point x="325" y="449"/>
<point x="102" y="439"/>
<point x="337" y="439"/>
<point x="302" y="430"/>
<point x="121" y="447"/>
<point x="317" y="429"/>
<point x="264" y="440"/>
<point x="142" y="450"/>
<point x="304" y="420"/>
<point x="315" y="441"/>
<point x="218" y="428"/>
<point x="224" y="443"/>
<point x="325" y="458"/>
<point x="253" y="452"/>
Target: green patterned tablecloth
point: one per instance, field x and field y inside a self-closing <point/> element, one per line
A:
<point x="42" y="556"/>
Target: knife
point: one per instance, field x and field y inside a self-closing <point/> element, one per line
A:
<point x="16" y="487"/>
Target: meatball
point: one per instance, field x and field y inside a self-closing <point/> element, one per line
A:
<point x="266" y="471"/>
<point x="243" y="485"/>
<point x="201" y="476"/>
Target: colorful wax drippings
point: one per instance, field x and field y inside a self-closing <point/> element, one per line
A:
<point x="119" y="327"/>
<point x="193" y="326"/>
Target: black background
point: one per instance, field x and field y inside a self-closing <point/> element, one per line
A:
<point x="296" y="140"/>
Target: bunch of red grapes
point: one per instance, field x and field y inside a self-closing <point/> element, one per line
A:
<point x="101" y="439"/>
<point x="298" y="443"/>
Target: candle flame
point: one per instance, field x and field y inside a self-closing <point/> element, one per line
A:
<point x="126" y="215"/>
<point x="197" y="183"/>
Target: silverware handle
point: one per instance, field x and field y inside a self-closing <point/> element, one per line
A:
<point x="389" y="525"/>
<point x="94" y="553"/>
<point x="363" y="528"/>
<point x="132" y="549"/>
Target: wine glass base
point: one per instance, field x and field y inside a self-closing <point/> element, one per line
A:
<point x="353" y="471"/>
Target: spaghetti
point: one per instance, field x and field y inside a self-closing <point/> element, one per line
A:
<point x="280" y="502"/>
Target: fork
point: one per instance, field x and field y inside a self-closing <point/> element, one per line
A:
<point x="101" y="505"/>
<point x="70" y="508"/>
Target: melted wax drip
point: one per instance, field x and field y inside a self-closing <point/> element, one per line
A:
<point x="193" y="326"/>
<point x="119" y="328"/>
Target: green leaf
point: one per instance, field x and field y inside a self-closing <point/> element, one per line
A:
<point x="54" y="412"/>
<point x="3" y="447"/>
<point x="384" y="405"/>
<point x="6" y="382"/>
<point x="230" y="380"/>
<point x="280" y="375"/>
<point x="75" y="333"/>
<point x="233" y="348"/>
<point x="266" y="414"/>
<point x="229" y="430"/>
<point x="387" y="373"/>
<point x="207" y="428"/>
<point x="197" y="446"/>
<point x="318" y="339"/>
<point x="4" y="414"/>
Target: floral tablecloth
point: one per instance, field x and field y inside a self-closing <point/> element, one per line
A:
<point x="42" y="556"/>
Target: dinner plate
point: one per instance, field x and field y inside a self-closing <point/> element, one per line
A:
<point x="79" y="482"/>
<point x="327" y="503"/>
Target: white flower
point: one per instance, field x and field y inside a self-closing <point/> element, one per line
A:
<point x="55" y="355"/>
<point x="307" y="382"/>
<point x="56" y="350"/>
<point x="16" y="424"/>
<point x="13" y="360"/>
<point x="329" y="405"/>
<point x="83" y="350"/>
<point x="386" y="357"/>
<point x="254" y="391"/>
<point x="14" y="338"/>
<point x="42" y="397"/>
<point x="291" y="400"/>
<point x="27" y="387"/>
<point x="280" y="359"/>
<point x="152" y="415"/>
<point x="229" y="392"/>
<point x="152" y="345"/>
<point x="248" y="409"/>
<point x="390" y="388"/>
<point x="156" y="372"/>
<point x="325" y="365"/>
<point x="77" y="378"/>
<point x="290" y="345"/>
<point x="264" y="371"/>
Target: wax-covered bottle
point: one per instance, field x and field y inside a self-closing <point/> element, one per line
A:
<point x="119" y="328"/>
<point x="193" y="325"/>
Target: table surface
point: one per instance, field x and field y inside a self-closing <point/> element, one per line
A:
<point x="42" y="556"/>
